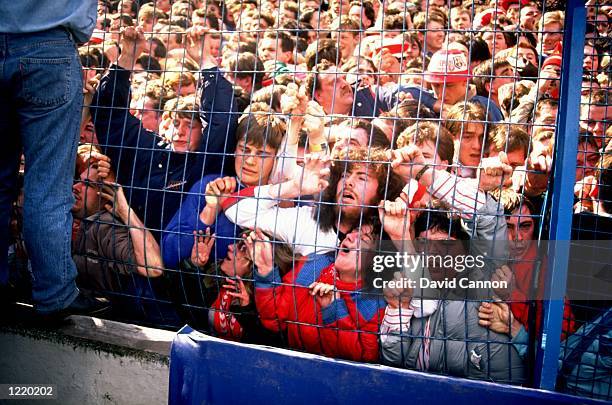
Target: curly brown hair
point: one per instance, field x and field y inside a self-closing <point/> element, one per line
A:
<point x="389" y="184"/>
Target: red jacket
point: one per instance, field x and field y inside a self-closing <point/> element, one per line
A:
<point x="223" y="322"/>
<point x="523" y="275"/>
<point x="347" y="328"/>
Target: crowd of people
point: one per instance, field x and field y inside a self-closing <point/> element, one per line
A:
<point x="241" y="164"/>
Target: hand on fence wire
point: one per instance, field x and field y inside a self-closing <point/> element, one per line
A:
<point x="260" y="250"/>
<point x="495" y="316"/>
<point x="585" y="190"/>
<point x="199" y="48"/>
<point x="219" y="190"/>
<point x="133" y="44"/>
<point x="314" y="177"/>
<point x="539" y="166"/>
<point x="115" y="201"/>
<point x="314" y="123"/>
<point x="89" y="89"/>
<point x="324" y="293"/>
<point x="395" y="218"/>
<point x="237" y="290"/>
<point x="407" y="161"/>
<point x="548" y="82"/>
<point x="494" y="172"/>
<point x="388" y="66"/>
<point x="203" y="243"/>
<point x="294" y="101"/>
<point x="88" y="157"/>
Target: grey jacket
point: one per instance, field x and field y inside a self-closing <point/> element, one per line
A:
<point x="458" y="346"/>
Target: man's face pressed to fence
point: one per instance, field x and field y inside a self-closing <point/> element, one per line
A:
<point x="460" y="20"/>
<point x="148" y="112"/>
<point x="495" y="40"/>
<point x="357" y="188"/>
<point x="430" y="154"/>
<point x="438" y="242"/>
<point x="529" y="15"/>
<point x="545" y="118"/>
<point x="253" y="163"/>
<point x="520" y="231"/>
<point x="347" y="41"/>
<point x="469" y="144"/>
<point x="434" y="36"/>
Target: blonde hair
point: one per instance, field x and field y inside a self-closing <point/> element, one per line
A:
<point x="551" y="17"/>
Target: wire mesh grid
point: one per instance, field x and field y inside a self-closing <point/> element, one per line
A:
<point x="256" y="168"/>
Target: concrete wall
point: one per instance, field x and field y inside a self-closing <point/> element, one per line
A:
<point x="91" y="361"/>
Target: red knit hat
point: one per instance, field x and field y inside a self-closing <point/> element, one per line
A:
<point x="396" y="46"/>
<point x="554" y="60"/>
<point x="447" y="66"/>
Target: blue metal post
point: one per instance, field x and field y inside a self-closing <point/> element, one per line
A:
<point x="566" y="145"/>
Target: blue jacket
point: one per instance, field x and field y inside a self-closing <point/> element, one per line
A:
<point x="154" y="176"/>
<point x="370" y="104"/>
<point x="177" y="240"/>
<point x="371" y="101"/>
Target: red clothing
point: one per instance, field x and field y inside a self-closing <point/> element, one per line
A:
<point x="523" y="275"/>
<point x="224" y="322"/>
<point x="347" y="328"/>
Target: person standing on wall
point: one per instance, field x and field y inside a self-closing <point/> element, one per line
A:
<point x="41" y="98"/>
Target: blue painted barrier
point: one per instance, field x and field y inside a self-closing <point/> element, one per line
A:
<point x="208" y="370"/>
<point x="564" y="170"/>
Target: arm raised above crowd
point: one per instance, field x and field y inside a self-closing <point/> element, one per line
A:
<point x="257" y="207"/>
<point x="133" y="43"/>
<point x="463" y="194"/>
<point x="219" y="112"/>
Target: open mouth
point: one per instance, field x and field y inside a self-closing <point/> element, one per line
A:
<point x="343" y="250"/>
<point x="348" y="198"/>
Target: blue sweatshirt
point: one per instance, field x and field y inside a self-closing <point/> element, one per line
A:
<point x="155" y="177"/>
<point x="177" y="240"/>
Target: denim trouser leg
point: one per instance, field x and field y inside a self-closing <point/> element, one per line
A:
<point x="44" y="74"/>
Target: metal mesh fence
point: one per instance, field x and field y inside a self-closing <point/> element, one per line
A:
<point x="255" y="168"/>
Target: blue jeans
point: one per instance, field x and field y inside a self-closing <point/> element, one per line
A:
<point x="40" y="111"/>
